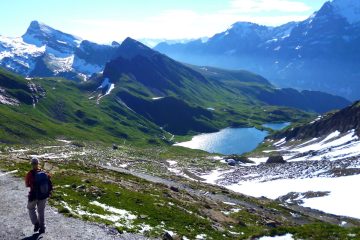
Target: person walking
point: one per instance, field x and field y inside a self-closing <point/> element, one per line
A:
<point x="40" y="189"/>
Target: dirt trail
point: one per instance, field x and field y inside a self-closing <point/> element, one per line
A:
<point x="15" y="222"/>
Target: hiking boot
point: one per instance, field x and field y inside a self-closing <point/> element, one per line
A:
<point x="36" y="227"/>
<point x="42" y="230"/>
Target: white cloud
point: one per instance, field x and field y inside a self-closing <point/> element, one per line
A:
<point x="181" y="24"/>
<point x="251" y="6"/>
<point x="176" y="26"/>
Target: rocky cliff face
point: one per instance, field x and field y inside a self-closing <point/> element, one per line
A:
<point x="345" y="120"/>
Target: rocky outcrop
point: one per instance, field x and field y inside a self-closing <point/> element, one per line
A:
<point x="275" y="159"/>
<point x="343" y="121"/>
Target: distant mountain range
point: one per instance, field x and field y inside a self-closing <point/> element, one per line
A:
<point x="142" y="95"/>
<point x="44" y="51"/>
<point x="321" y="53"/>
<point x="131" y="91"/>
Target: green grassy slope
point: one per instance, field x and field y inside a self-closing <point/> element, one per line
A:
<point x="257" y="88"/>
<point x="66" y="111"/>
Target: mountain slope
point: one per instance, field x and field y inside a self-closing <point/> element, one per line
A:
<point x="46" y="109"/>
<point x="320" y="53"/>
<point x="140" y="93"/>
<point x="334" y="136"/>
<point x="258" y="88"/>
<point x="182" y="97"/>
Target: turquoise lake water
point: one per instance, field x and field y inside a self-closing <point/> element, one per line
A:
<point x="231" y="140"/>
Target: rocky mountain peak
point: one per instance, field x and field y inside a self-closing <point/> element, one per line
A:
<point x="131" y="48"/>
<point x="40" y="34"/>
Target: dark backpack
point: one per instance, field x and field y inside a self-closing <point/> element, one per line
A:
<point x="42" y="185"/>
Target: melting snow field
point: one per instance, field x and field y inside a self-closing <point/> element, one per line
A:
<point x="285" y="237"/>
<point x="343" y="198"/>
<point x="335" y="146"/>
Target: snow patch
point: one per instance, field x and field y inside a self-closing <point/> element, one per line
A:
<point x="120" y="212"/>
<point x="171" y="163"/>
<point x="335" y="146"/>
<point x="200" y="236"/>
<point x="215" y="175"/>
<point x="85" y="68"/>
<point x="285" y="237"/>
<point x="342" y="200"/>
<point x="111" y="87"/>
<point x="281" y="142"/>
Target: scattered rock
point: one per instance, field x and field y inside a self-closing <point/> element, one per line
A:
<point x="238" y="158"/>
<point x="271" y="223"/>
<point x="218" y="216"/>
<point x="167" y="236"/>
<point x="86" y="180"/>
<point x="142" y="216"/>
<point x="95" y="191"/>
<point x="231" y="162"/>
<point x="115" y="147"/>
<point x="241" y="223"/>
<point x="175" y="189"/>
<point x="81" y="188"/>
<point x="207" y="206"/>
<point x="297" y="198"/>
<point x="275" y="159"/>
<point x="218" y="227"/>
<point x="108" y="181"/>
<point x="48" y="166"/>
<point x="78" y="144"/>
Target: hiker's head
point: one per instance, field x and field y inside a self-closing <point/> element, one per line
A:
<point x="35" y="163"/>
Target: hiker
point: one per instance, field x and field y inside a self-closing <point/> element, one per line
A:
<point x="40" y="189"/>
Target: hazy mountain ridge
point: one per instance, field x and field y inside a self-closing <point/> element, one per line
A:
<point x="314" y="54"/>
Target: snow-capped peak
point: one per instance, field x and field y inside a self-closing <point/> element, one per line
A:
<point x="40" y="34"/>
<point x="246" y="29"/>
<point x="39" y="26"/>
<point x="243" y="26"/>
<point x="349" y="9"/>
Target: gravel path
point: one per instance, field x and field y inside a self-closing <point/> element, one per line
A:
<point x="15" y="222"/>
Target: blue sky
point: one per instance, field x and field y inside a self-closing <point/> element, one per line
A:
<point x="106" y="20"/>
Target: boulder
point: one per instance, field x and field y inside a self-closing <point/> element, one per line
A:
<point x="275" y="159"/>
<point x="238" y="158"/>
<point x="231" y="162"/>
<point x="175" y="189"/>
<point x="167" y="236"/>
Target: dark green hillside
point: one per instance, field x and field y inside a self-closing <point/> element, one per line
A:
<point x="172" y="114"/>
<point x="258" y="88"/>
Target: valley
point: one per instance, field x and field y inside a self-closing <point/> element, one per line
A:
<point x="252" y="133"/>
